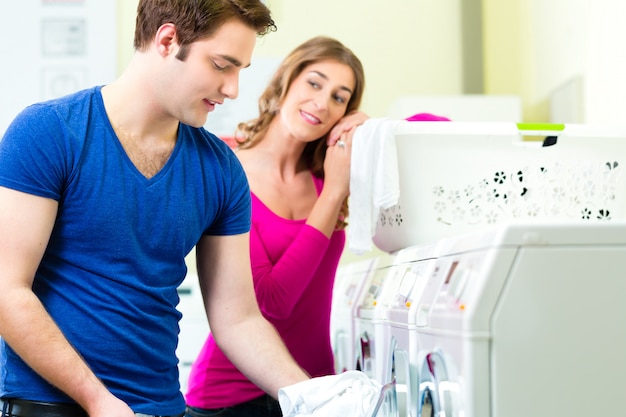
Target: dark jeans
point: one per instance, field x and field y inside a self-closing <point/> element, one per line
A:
<point x="264" y="406"/>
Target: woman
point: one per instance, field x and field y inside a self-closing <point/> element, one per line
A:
<point x="296" y="156"/>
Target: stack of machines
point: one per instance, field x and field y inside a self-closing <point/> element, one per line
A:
<point x="503" y="295"/>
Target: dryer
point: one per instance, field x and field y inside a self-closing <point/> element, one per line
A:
<point x="527" y="321"/>
<point x="374" y="298"/>
<point x="349" y="281"/>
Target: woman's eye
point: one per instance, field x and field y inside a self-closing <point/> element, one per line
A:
<point x="340" y="99"/>
<point x="218" y="67"/>
<point x="314" y="84"/>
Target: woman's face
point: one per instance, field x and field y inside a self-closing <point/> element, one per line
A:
<point x="317" y="98"/>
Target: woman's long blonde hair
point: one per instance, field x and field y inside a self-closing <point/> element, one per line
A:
<point x="317" y="49"/>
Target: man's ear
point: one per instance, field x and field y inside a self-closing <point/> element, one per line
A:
<point x="165" y="39"/>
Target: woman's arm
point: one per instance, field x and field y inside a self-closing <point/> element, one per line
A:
<point x="279" y="285"/>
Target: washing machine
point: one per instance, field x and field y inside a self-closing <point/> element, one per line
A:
<point x="413" y="268"/>
<point x="349" y="281"/>
<point x="527" y="321"/>
<point x="370" y="339"/>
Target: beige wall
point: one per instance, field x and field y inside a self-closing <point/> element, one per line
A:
<point x="518" y="45"/>
<point x="126" y="12"/>
<point x="605" y="63"/>
<point x="532" y="47"/>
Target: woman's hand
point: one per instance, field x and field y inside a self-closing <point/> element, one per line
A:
<point x="337" y="165"/>
<point x="347" y="123"/>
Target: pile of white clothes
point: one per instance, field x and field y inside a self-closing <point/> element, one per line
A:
<point x="351" y="393"/>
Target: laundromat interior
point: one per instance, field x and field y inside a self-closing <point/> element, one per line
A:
<point x="494" y="284"/>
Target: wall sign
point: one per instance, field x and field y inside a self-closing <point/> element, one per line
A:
<point x="68" y="45"/>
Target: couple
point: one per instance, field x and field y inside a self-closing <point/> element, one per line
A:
<point x="104" y="192"/>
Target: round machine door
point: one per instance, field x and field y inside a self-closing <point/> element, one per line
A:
<point x="364" y="360"/>
<point x="386" y="405"/>
<point x="438" y="396"/>
<point x="341" y="351"/>
<point x="400" y="374"/>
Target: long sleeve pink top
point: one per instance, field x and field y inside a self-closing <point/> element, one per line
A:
<point x="293" y="267"/>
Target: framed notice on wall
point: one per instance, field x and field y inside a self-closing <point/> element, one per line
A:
<point x="69" y="45"/>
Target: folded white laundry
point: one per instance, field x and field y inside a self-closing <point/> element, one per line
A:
<point x="374" y="179"/>
<point x="351" y="393"/>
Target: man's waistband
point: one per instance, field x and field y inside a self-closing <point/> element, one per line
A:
<point x="27" y="408"/>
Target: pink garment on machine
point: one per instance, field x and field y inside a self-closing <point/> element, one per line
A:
<point x="427" y="117"/>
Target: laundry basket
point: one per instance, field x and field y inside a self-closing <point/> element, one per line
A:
<point x="457" y="177"/>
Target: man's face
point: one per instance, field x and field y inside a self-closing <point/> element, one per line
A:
<point x="209" y="74"/>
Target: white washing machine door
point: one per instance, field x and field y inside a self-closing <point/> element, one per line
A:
<point x="387" y="405"/>
<point x="401" y="375"/>
<point x="341" y="352"/>
<point x="438" y="396"/>
<point x="364" y="355"/>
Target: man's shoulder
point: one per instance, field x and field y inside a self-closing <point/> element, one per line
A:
<point x="84" y="95"/>
<point x="208" y="142"/>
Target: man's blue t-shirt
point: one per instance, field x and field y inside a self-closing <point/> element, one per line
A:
<point x="117" y="252"/>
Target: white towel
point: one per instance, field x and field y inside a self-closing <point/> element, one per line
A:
<point x="351" y="393"/>
<point x="374" y="179"/>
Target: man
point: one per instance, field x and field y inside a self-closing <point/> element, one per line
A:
<point x="102" y="195"/>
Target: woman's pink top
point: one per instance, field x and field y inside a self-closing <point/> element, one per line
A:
<point x="293" y="267"/>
